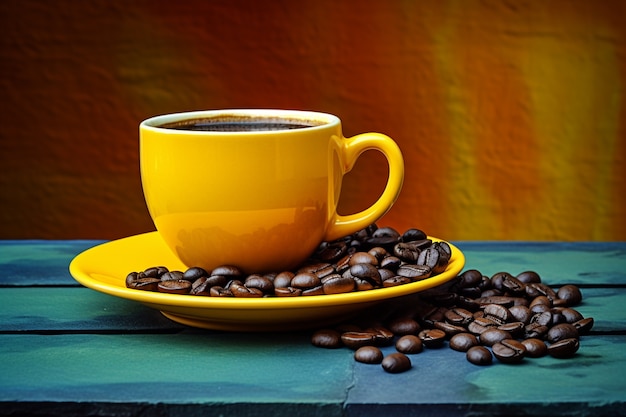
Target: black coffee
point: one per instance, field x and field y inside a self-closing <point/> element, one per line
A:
<point x="237" y="124"/>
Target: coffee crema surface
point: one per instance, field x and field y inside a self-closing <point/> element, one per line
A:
<point x="239" y="124"/>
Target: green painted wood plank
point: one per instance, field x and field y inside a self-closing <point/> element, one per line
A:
<point x="186" y="368"/>
<point x="75" y="309"/>
<point x="81" y="309"/>
<point x="37" y="262"/>
<point x="442" y="382"/>
<point x="557" y="263"/>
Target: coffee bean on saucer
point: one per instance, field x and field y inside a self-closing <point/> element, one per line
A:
<point x="178" y="286"/>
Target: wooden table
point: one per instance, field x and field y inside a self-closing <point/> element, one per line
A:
<point x="68" y="350"/>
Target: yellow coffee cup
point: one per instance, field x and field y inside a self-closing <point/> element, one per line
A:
<point x="254" y="188"/>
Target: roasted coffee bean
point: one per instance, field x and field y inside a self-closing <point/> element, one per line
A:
<point x="305" y="280"/>
<point x="535" y="348"/>
<point x="319" y="269"/>
<point x="260" y="282"/>
<point x="363" y="258"/>
<point x="535" y="289"/>
<point x="520" y="313"/>
<point x="172" y="276"/>
<point x="391" y="263"/>
<point x="535" y="330"/>
<point x="241" y="291"/>
<point x="528" y="276"/>
<point x="514" y="328"/>
<point x="382" y="335"/>
<point x="155" y="272"/>
<point x="513" y="286"/>
<point x="287" y="291"/>
<point x="337" y="284"/>
<point x="459" y="316"/>
<point x="480" y="325"/>
<point x="386" y="273"/>
<point x="470" y="278"/>
<point x="432" y="338"/>
<point x="409" y="344"/>
<point x="462" y="342"/>
<point x="501" y="300"/>
<point x="497" y="313"/>
<point x="565" y="348"/>
<point x="133" y="276"/>
<point x="146" y="284"/>
<point x="283" y="279"/>
<point x="562" y="331"/>
<point x="395" y="281"/>
<point x="319" y="290"/>
<point x="193" y="273"/>
<point x="449" y="329"/>
<point x="369" y="355"/>
<point x="331" y="252"/>
<point x="509" y="351"/>
<point x="378" y="253"/>
<point x="404" y="325"/>
<point x="229" y="271"/>
<point x="570" y="294"/>
<point x="326" y="338"/>
<point x="497" y="280"/>
<point x="406" y="252"/>
<point x="414" y="272"/>
<point x="543" y="319"/>
<point x="571" y="315"/>
<point x="179" y="286"/>
<point x="367" y="272"/>
<point x="430" y="257"/>
<point x="492" y="336"/>
<point x="355" y="340"/>
<point x="411" y="235"/>
<point x="479" y="355"/>
<point x="540" y="300"/>
<point x="396" y="362"/>
<point x="584" y="325"/>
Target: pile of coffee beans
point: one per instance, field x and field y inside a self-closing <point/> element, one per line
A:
<point x="503" y="316"/>
<point x="369" y="259"/>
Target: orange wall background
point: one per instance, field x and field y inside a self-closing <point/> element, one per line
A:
<point x="511" y="115"/>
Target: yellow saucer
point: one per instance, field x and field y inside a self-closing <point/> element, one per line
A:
<point x="104" y="268"/>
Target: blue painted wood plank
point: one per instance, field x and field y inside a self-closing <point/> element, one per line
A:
<point x="188" y="368"/>
<point x="558" y="263"/>
<point x="442" y="382"/>
<point x="39" y="262"/>
<point x="75" y="309"/>
<point x="82" y="309"/>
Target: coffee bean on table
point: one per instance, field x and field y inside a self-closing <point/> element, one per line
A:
<point x="462" y="342"/>
<point x="368" y="354"/>
<point x="492" y="336"/>
<point x="432" y="338"/>
<point x="535" y="348"/>
<point x="409" y="344"/>
<point x="479" y="355"/>
<point x="396" y="362"/>
<point x="562" y="331"/>
<point x="509" y="351"/>
<point x="570" y="294"/>
<point x="565" y="348"/>
<point x="327" y="338"/>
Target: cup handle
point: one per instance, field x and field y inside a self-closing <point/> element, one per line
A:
<point x="351" y="149"/>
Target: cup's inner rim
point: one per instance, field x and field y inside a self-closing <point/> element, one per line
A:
<point x="305" y="120"/>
